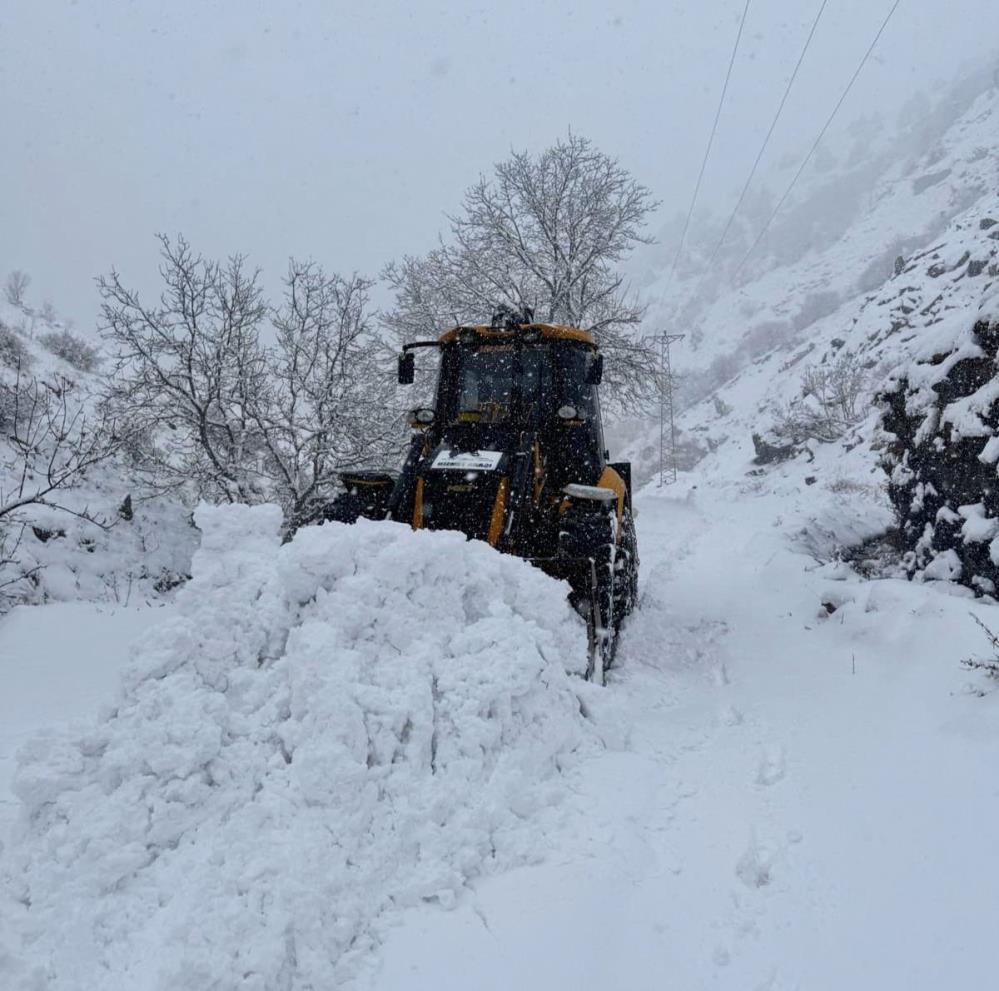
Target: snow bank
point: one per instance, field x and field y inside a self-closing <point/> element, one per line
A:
<point x="354" y="722"/>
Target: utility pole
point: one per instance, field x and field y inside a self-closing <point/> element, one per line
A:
<point x="667" y="421"/>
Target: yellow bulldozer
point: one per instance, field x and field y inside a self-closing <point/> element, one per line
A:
<point x="512" y="452"/>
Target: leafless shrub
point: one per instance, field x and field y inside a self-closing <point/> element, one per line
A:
<point x="844" y="485"/>
<point x="545" y="232"/>
<point x="14" y="352"/>
<point x="72" y="349"/>
<point x="829" y="404"/>
<point x="16" y="287"/>
<point x="989" y="666"/>
<point x="15" y="577"/>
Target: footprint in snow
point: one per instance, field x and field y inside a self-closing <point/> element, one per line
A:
<point x="754" y="868"/>
<point x="731" y="716"/>
<point x="771" y="769"/>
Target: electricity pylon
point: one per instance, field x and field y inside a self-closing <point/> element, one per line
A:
<point x="667" y="421"/>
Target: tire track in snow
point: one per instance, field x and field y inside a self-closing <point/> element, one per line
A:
<point x="722" y="762"/>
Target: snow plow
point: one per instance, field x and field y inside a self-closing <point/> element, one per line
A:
<point x="512" y="453"/>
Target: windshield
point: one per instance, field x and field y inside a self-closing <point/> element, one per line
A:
<point x="495" y="382"/>
<point x="498" y="383"/>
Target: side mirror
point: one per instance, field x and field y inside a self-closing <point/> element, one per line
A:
<point x="407" y="368"/>
<point x="595" y="373"/>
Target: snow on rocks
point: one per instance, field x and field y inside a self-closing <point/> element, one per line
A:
<point x="357" y="721"/>
<point x="941" y="419"/>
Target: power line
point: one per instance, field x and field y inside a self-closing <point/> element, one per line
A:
<point x="818" y="140"/>
<point x="711" y="139"/>
<point x="766" y="140"/>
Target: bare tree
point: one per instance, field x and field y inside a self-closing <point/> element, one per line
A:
<point x="16" y="287"/>
<point x="241" y="419"/>
<point x="73" y="350"/>
<point x="546" y="232"/>
<point x="184" y="370"/>
<point x="330" y="405"/>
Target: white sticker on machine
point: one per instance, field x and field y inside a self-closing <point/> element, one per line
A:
<point x="468" y="460"/>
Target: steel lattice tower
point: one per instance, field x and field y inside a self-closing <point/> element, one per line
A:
<point x="667" y="421"/>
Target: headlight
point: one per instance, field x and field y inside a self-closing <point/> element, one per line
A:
<point x="568" y="413"/>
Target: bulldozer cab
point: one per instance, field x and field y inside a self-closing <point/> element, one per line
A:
<point x="516" y="418"/>
<point x="492" y="391"/>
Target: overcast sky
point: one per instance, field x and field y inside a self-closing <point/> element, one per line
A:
<point x="344" y="131"/>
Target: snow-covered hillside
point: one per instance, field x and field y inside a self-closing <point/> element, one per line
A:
<point x="912" y="274"/>
<point x="837" y="236"/>
<point x="825" y="200"/>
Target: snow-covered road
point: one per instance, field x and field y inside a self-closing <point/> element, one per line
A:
<point x="805" y="800"/>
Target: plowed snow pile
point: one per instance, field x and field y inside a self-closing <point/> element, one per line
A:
<point x="356" y="721"/>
